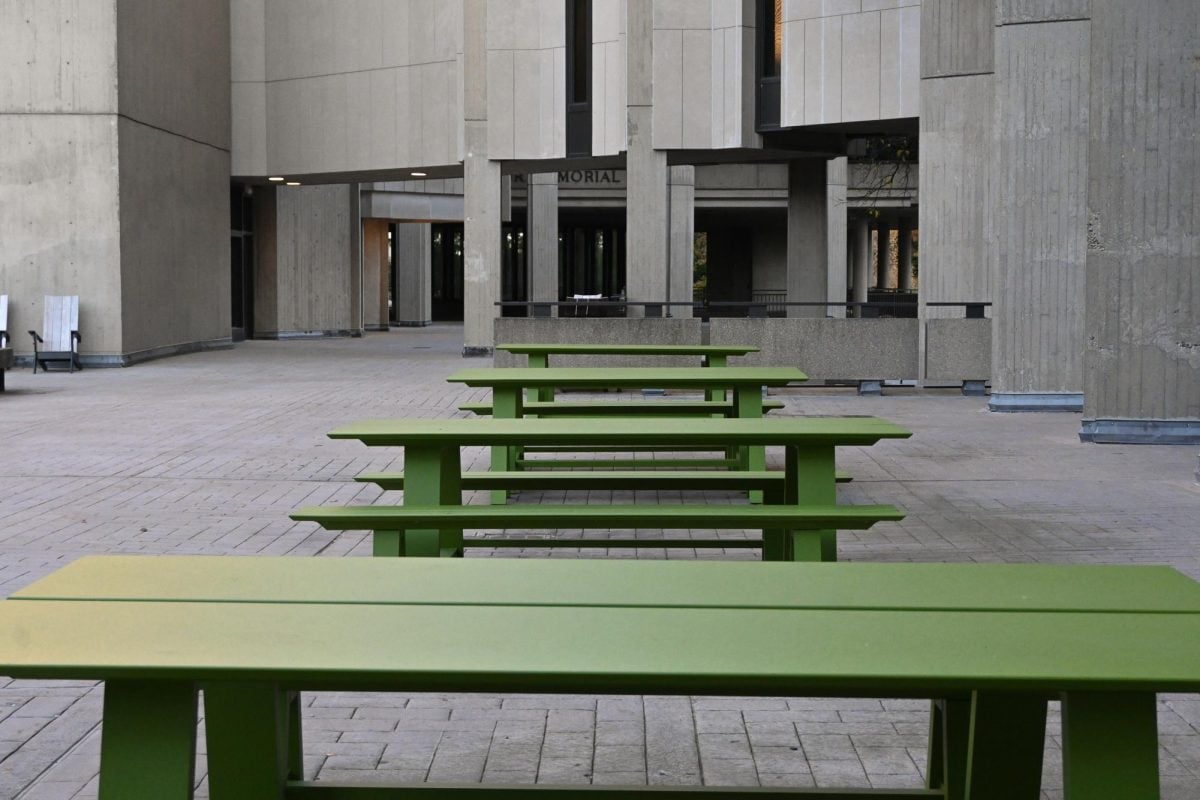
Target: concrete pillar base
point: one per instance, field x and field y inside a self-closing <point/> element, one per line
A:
<point x="974" y="388"/>
<point x="873" y="388"/>
<point x="1046" y="401"/>
<point x="416" y="323"/>
<point x="1141" y="431"/>
<point x="476" y="351"/>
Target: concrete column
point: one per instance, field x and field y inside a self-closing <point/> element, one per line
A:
<point x="883" y="253"/>
<point x="1142" y="329"/>
<point x="956" y="143"/>
<point x="414" y="295"/>
<point x="542" y="239"/>
<point x="646" y="215"/>
<point x="482" y="206"/>
<point x="807" y="237"/>
<point x="375" y="274"/>
<point x="683" y="234"/>
<point x="904" y="261"/>
<point x="836" y="220"/>
<point x="1039" y="207"/>
<point x="862" y="258"/>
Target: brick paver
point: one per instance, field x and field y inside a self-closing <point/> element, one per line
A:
<point x="208" y="453"/>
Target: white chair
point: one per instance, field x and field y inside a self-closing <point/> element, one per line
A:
<point x="60" y="333"/>
<point x="6" y="355"/>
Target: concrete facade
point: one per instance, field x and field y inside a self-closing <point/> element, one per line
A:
<point x="130" y="123"/>
<point x="413" y="297"/>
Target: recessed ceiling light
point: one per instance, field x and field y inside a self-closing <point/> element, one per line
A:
<point x="417" y="174"/>
<point x="275" y="178"/>
<point x="293" y="183"/>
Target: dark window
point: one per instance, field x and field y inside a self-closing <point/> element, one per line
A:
<point x="579" y="77"/>
<point x="769" y="62"/>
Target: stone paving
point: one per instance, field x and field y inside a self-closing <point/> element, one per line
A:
<point x="208" y="453"/>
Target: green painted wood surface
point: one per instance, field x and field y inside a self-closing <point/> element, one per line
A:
<point x="330" y="790"/>
<point x="782" y="431"/>
<point x="584" y="408"/>
<point x="863" y="586"/>
<point x="612" y="480"/>
<point x="699" y="378"/>
<point x="778" y="653"/>
<point x="551" y="348"/>
<point x="807" y="517"/>
<point x="646" y="464"/>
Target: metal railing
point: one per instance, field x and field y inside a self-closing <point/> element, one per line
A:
<point x="755" y="309"/>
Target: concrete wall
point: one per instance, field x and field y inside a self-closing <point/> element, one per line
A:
<point x="827" y="349"/>
<point x="516" y="330"/>
<point x="849" y="60"/>
<point x="526" y="63"/>
<point x="58" y="168"/>
<point x="174" y="133"/>
<point x="1143" y="257"/>
<point x="958" y="350"/>
<point x="608" y="76"/>
<point x="1039" y="198"/>
<point x="312" y="276"/>
<point x="347" y="86"/>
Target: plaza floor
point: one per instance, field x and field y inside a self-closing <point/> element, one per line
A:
<point x="207" y="453"/>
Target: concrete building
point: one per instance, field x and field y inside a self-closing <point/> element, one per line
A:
<point x="393" y="162"/>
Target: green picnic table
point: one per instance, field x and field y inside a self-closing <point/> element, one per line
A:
<point x="989" y="643"/>
<point x="538" y="355"/>
<point x="433" y="471"/>
<point x="746" y="383"/>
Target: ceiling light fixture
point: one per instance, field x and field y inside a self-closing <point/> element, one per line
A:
<point x="293" y="183"/>
<point x="417" y="174"/>
<point x="275" y="179"/>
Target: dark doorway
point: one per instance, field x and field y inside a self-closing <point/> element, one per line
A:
<point x="447" y="272"/>
<point x="591" y="254"/>
<point x="241" y="262"/>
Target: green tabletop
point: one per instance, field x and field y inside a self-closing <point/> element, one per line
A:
<point x="593" y="582"/>
<point x="628" y="377"/>
<point x="783" y="431"/>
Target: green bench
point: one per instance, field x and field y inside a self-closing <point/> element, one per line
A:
<point x="990" y="644"/>
<point x="606" y="408"/>
<point x="790" y="532"/>
<point x="771" y="483"/>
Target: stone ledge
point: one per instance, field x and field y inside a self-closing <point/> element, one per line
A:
<point x="1141" y="431"/>
<point x="1043" y="401"/>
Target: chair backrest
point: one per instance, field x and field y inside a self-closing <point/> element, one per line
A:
<point x="60" y="316"/>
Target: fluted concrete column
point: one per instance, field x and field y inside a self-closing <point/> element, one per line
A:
<point x="482" y="205"/>
<point x="883" y="252"/>
<point x="836" y="222"/>
<point x="807" y="242"/>
<point x="542" y="239"/>
<point x="1142" y="356"/>
<point x="862" y="258"/>
<point x="646" y="214"/>
<point x="413" y="247"/>
<point x="904" y="279"/>
<point x="683" y="235"/>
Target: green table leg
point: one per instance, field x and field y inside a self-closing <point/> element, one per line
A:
<point x="714" y="394"/>
<point x="545" y="393"/>
<point x="251" y="742"/>
<point x="148" y="743"/>
<point x="811" y="481"/>
<point x="432" y="477"/>
<point x="949" y="733"/>
<point x="1110" y="746"/>
<point x="506" y="404"/>
<point x="1008" y="735"/>
<point x="747" y="403"/>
